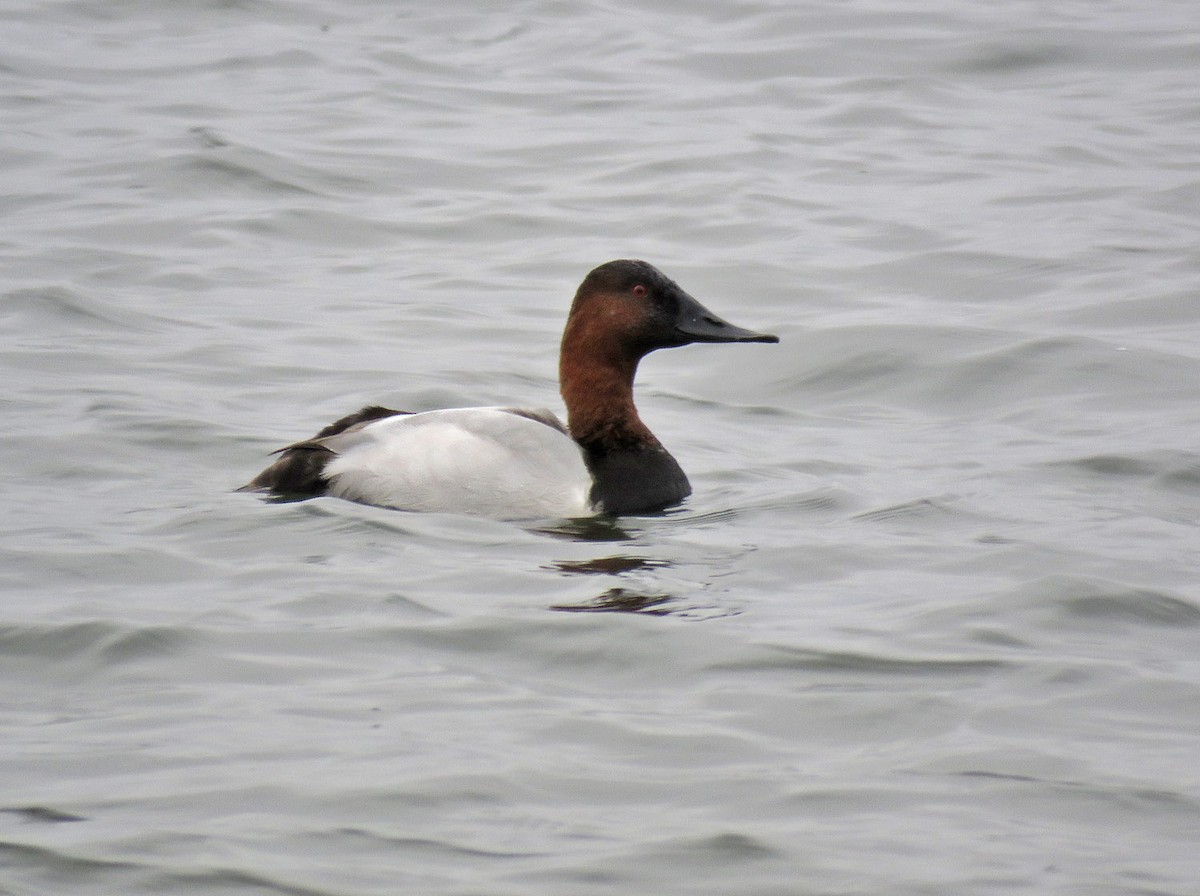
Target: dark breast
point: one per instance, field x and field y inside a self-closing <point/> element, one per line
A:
<point x="635" y="480"/>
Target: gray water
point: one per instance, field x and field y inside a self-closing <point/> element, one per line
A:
<point x="930" y="623"/>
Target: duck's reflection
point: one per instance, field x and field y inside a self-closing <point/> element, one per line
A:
<point x="607" y="566"/>
<point x="622" y="600"/>
<point x="587" y="528"/>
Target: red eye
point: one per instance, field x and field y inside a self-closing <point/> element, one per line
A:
<point x="639" y="291"/>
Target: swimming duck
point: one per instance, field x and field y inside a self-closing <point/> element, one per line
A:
<point x="519" y="463"/>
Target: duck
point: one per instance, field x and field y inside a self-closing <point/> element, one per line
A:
<point x="525" y="463"/>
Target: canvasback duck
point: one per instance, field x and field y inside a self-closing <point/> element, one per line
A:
<point x="517" y="463"/>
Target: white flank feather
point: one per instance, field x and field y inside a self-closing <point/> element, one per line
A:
<point x="485" y="461"/>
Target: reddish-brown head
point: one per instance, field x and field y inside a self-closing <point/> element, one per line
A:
<point x="630" y="308"/>
<point x="622" y="311"/>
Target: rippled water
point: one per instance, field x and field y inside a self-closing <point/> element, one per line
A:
<point x="930" y="623"/>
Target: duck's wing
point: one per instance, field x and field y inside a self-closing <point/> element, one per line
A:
<point x="541" y="415"/>
<point x="368" y="414"/>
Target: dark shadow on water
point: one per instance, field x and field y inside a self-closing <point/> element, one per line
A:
<point x="43" y="814"/>
<point x="647" y="603"/>
<point x="595" y="528"/>
<point x="622" y="600"/>
<point x="607" y="566"/>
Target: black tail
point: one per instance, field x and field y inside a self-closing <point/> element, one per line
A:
<point x="299" y="472"/>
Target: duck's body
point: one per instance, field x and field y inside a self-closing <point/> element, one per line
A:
<point x="513" y="463"/>
<point x="485" y="461"/>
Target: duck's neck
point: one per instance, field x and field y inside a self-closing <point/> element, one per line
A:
<point x="598" y="393"/>
<point x="631" y="471"/>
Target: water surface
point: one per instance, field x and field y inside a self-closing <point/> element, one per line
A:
<point x="929" y="623"/>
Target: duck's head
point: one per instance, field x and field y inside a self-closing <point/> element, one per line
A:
<point x="631" y="308"/>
